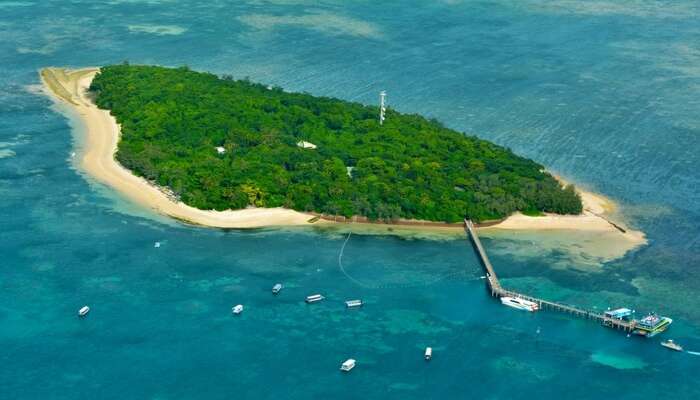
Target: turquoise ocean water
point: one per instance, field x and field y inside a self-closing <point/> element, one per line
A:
<point x="604" y="92"/>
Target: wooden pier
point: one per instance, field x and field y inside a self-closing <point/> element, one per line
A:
<point x="497" y="290"/>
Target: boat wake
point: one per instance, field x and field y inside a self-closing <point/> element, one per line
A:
<point x="390" y="286"/>
<point x="695" y="353"/>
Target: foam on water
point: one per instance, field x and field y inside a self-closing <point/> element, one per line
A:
<point x="157" y="29"/>
<point x="618" y="361"/>
<point x="324" y="22"/>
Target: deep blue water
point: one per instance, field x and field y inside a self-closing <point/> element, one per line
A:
<point x="606" y="93"/>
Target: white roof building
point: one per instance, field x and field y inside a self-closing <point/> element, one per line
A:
<point x="306" y="145"/>
<point x="220" y="150"/>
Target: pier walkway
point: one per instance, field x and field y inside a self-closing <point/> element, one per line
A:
<point x="498" y="291"/>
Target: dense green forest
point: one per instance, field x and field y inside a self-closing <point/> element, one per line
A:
<point x="173" y="119"/>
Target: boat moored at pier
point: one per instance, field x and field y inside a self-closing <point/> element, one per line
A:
<point x="651" y="325"/>
<point x="520" y="304"/>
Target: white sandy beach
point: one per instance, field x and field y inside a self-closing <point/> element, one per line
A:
<point x="102" y="135"/>
<point x="593" y="219"/>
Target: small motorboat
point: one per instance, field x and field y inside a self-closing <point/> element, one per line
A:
<point x="314" y="298"/>
<point x="670" y="344"/>
<point x="83" y="311"/>
<point x="347" y="365"/>
<point x="237" y="309"/>
<point x="276" y="289"/>
<point x="156" y="245"/>
<point x="353" y="303"/>
<point x="428" y="353"/>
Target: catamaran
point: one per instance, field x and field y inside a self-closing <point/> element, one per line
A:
<point x="652" y="325"/>
<point x="520" y="304"/>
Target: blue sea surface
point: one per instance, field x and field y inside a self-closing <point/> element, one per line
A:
<point x="603" y="92"/>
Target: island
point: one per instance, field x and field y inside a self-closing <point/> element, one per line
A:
<point x="218" y="144"/>
<point x="215" y="151"/>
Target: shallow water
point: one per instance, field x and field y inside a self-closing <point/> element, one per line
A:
<point x="605" y="93"/>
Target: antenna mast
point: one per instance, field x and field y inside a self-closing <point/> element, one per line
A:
<point x="382" y="107"/>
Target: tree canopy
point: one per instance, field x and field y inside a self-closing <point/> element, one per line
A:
<point x="173" y="119"/>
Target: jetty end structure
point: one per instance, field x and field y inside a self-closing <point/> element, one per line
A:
<point x="648" y="326"/>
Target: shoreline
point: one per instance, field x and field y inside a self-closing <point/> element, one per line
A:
<point x="102" y="134"/>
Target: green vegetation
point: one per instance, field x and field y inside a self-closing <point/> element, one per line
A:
<point x="411" y="167"/>
<point x="533" y="213"/>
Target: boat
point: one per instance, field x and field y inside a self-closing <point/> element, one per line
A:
<point x="156" y="245"/>
<point x="347" y="365"/>
<point x="651" y="325"/>
<point x="83" y="311"/>
<point x="353" y="303"/>
<point x="520" y="304"/>
<point x="670" y="344"/>
<point x="314" y="298"/>
<point x="428" y="353"/>
<point x="276" y="289"/>
<point x="237" y="309"/>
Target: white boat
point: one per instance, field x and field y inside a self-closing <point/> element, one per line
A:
<point x="83" y="311"/>
<point x="353" y="303"/>
<point x="156" y="245"/>
<point x="428" y="353"/>
<point x="670" y="344"/>
<point x="276" y="289"/>
<point x="520" y="304"/>
<point x="314" y="298"/>
<point x="237" y="309"/>
<point x="347" y="365"/>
